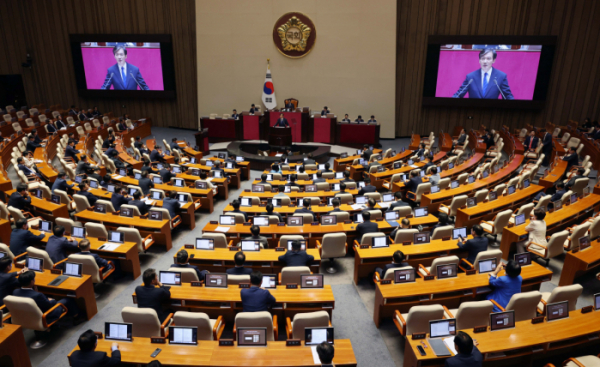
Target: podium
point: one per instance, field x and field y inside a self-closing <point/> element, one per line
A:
<point x="280" y="136"/>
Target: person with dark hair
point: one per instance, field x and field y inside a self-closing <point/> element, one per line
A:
<point x="150" y="296"/>
<point x="414" y="181"/>
<point x="32" y="144"/>
<point x="468" y="354"/>
<point x="275" y="168"/>
<point x="367" y="188"/>
<point x="319" y="178"/>
<point x="171" y="204"/>
<point x="537" y="232"/>
<point x="81" y="116"/>
<point x="83" y="190"/>
<point x="21" y="237"/>
<point x="488" y="139"/>
<point x="398" y="203"/>
<point x="531" y="142"/>
<point x="505" y="286"/>
<point x="255" y="298"/>
<point x="397" y="262"/>
<point x="83" y="167"/>
<point x="347" y="177"/>
<point x="174" y="145"/>
<point x="137" y="201"/>
<point x="571" y="182"/>
<point x="96" y="174"/>
<point x="239" y="259"/>
<point x="71" y="152"/>
<point x="487" y="82"/>
<point x="217" y="167"/>
<point x="443" y="220"/>
<point x="297" y="256"/>
<point x="156" y="155"/>
<point x="58" y="246"/>
<point x="263" y="180"/>
<point x="372" y="120"/>
<point x="235" y="115"/>
<point x="420" y="151"/>
<point x="571" y="158"/>
<point x="253" y="109"/>
<point x="20" y="199"/>
<point x="84" y="246"/>
<point x="435" y="177"/>
<point x="281" y="122"/>
<point x="359" y="119"/>
<point x="560" y="191"/>
<point x="461" y="137"/>
<point x="270" y="211"/>
<point x="255" y="230"/>
<point x="145" y="183"/>
<point x="8" y="279"/>
<point x="281" y="192"/>
<point x="475" y="245"/>
<point x="324" y="111"/>
<point x="366" y="226"/>
<point x="87" y="356"/>
<point x="235" y="204"/>
<point x="326" y="352"/>
<point x="293" y="178"/>
<point x="138" y="142"/>
<point x="346" y="119"/>
<point x="26" y="170"/>
<point x="146" y="167"/>
<point x="404" y="224"/>
<point x="309" y="159"/>
<point x="546" y="146"/>
<point x="183" y="261"/>
<point x="123" y="75"/>
<point x="336" y="206"/>
<point x="371" y="204"/>
<point x="106" y="180"/>
<point x="119" y="197"/>
<point x="154" y="363"/>
<point x="306" y="208"/>
<point x="367" y="152"/>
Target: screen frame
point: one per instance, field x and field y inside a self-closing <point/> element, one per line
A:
<point x="558" y="318"/>
<point x="251" y="328"/>
<point x="308" y="331"/>
<point x="129" y="329"/>
<point x="171" y="327"/>
<point x="504" y="328"/>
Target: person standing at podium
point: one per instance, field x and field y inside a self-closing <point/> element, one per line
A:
<point x="325" y="111"/>
<point x="253" y="109"/>
<point x="281" y="122"/>
<point x="346" y="119"/>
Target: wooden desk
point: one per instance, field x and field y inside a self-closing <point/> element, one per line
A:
<point x="357" y="170"/>
<point x="448" y="292"/>
<point x="13" y="349"/>
<point x="244" y="166"/>
<point x="235" y="174"/>
<point x="265" y="260"/>
<point x="558" y="171"/>
<point x="295" y="194"/>
<point x="579" y="263"/>
<point x="227" y="301"/>
<point x="339" y="164"/>
<point x="160" y="230"/>
<point x="522" y="345"/>
<point x="46" y="209"/>
<point x="5" y="231"/>
<point x="486" y="211"/>
<point x="222" y="184"/>
<point x="555" y="221"/>
<point x="208" y="353"/>
<point x="377" y="178"/>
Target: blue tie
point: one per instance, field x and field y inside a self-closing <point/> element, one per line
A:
<point x="125" y="77"/>
<point x="485" y="82"/>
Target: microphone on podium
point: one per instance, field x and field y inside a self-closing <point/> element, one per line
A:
<point x="464" y="88"/>
<point x="496" y="82"/>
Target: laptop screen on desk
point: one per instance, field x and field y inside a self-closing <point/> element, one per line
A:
<point x="361" y="200"/>
<point x="380" y="242"/>
<point x="276" y="202"/>
<point x="55" y="199"/>
<point x="493" y="195"/>
<point x="442" y="328"/>
<point x="511" y="189"/>
<point x="310" y="188"/>
<point x="184" y="335"/>
<point x="487" y="265"/>
<point x="269" y="281"/>
<point x="100" y="208"/>
<point x="311" y="281"/>
<point x="73" y="269"/>
<point x="471" y="202"/>
<point x="597" y="301"/>
<point x="182" y="198"/>
<point x="227" y="220"/>
<point x="558" y="310"/>
<point x="454" y="184"/>
<point x="250" y="245"/>
<point x="245" y="202"/>
<point x="216" y="280"/>
<point x="447" y="271"/>
<point x="584" y="243"/>
<point x="138" y="176"/>
<point x="336" y="187"/>
<point x="110" y="188"/>
<point x="387" y="198"/>
<point x="525" y="183"/>
<point x="170" y="277"/>
<point x="93" y="184"/>
<point x="251" y="337"/>
<point x="318" y="335"/>
<point x="421" y="212"/>
<point x="339" y="175"/>
<point x="519" y="219"/>
<point x="118" y="331"/>
<point x="502" y="320"/>
<point x="116" y="237"/>
<point x="393" y="215"/>
<point x="45" y="226"/>
<point x="358" y="218"/>
<point x="126" y="212"/>
<point x="462" y="231"/>
<point x="258" y="188"/>
<point x="35" y="264"/>
<point x="523" y="258"/>
<point x="78" y="232"/>
<point x="178" y="182"/>
<point x="157" y="180"/>
<point x="205" y="244"/>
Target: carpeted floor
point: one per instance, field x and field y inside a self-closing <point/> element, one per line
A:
<point x="352" y="317"/>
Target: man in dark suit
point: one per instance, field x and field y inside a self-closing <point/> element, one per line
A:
<point x="461" y="138"/>
<point x="256" y="299"/>
<point x="413" y="182"/>
<point x="309" y="159"/>
<point x="404" y="224"/>
<point x="239" y="259"/>
<point x="366" y="226"/>
<point x="51" y="127"/>
<point x="142" y="207"/>
<point x="87" y="356"/>
<point x="324" y="111"/>
<point x="145" y="183"/>
<point x="263" y="180"/>
<point x="367" y="188"/>
<point x="372" y="120"/>
<point x="73" y="110"/>
<point x="83" y="190"/>
<point x="346" y="119"/>
<point x="61" y="183"/>
<point x="83" y="166"/>
<point x="96" y="174"/>
<point x="217" y="167"/>
<point x="59" y="124"/>
<point x="468" y="354"/>
<point x="326" y="352"/>
<point x="71" y="152"/>
<point x="8" y="279"/>
<point x="571" y="182"/>
<point x="359" y="119"/>
<point x="475" y="245"/>
<point x="119" y="197"/>
<point x="398" y="203"/>
<point x="595" y="134"/>
<point x="20" y="199"/>
<point x="560" y="191"/>
<point x="296" y="257"/>
<point x="421" y="151"/>
<point x="531" y="142"/>
<point x="336" y="206"/>
<point x="81" y="116"/>
<point x="253" y="109"/>
<point x="374" y="163"/>
<point x="21" y="237"/>
<point x="255" y="231"/>
<point x="31" y="144"/>
<point x="58" y="246"/>
<point x="347" y="177"/>
<point x="397" y="262"/>
<point x="111" y="149"/>
<point x="26" y="170"/>
<point x="171" y="204"/>
<point x="546" y="146"/>
<point x="138" y="142"/>
<point x="156" y="154"/>
<point x="289" y="106"/>
<point x="305" y="208"/>
<point x="84" y="246"/>
<point x="166" y="174"/>
<point x="488" y="139"/>
<point x="235" y="115"/>
<point x="487" y="82"/>
<point x="571" y="158"/>
<point x="174" y="145"/>
<point x="236" y="209"/>
<point x="281" y="122"/>
<point x="183" y="262"/>
<point x="319" y="178"/>
<point x="110" y="140"/>
<point x="150" y="296"/>
<point x="270" y="211"/>
<point x="123" y="75"/>
<point x="147" y="167"/>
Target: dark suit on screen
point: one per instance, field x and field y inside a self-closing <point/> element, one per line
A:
<point x="496" y="81"/>
<point x="133" y="75"/>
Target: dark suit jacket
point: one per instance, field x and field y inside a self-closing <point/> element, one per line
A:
<point x="117" y="200"/>
<point x="51" y="128"/>
<point x="8" y="283"/>
<point x="41" y="301"/>
<point x="364" y="228"/>
<point x="26" y="170"/>
<point x="100" y="261"/>
<point x="533" y="145"/>
<point x="59" y="124"/>
<point x="474" y="246"/>
<point x="239" y="271"/>
<point x="572" y="160"/>
<point x="319" y="180"/>
<point x="133" y="75"/>
<point x="304" y="210"/>
<point x="91" y="197"/>
<point x="142" y="207"/>
<point x="175" y="146"/>
<point x="255" y="299"/>
<point x="138" y="144"/>
<point x="496" y="81"/>
<point x="20" y="239"/>
<point x="82" y="167"/>
<point x="571" y="182"/>
<point x="547" y="144"/>
<point x="81" y="116"/>
<point x="475" y="359"/>
<point x="57" y="248"/>
<point x="282" y="122"/>
<point x="31" y="146"/>
<point x="60" y="184"/>
<point x="155" y="156"/>
<point x="95" y="359"/>
<point x="71" y="152"/>
<point x="309" y="161"/>
<point x="367" y="188"/>
<point x="145" y="184"/>
<point x="461" y="139"/>
<point x="166" y="175"/>
<point x="18" y="201"/>
<point x="557" y="195"/>
<point x="199" y="273"/>
<point x="411" y="185"/>
<point x="172" y="205"/>
<point x="152" y="297"/>
<point x="300" y="258"/>
<point x="397" y="204"/>
<point x="489" y="141"/>
<point x="324" y="112"/>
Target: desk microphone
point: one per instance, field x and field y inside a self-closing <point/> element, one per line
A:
<point x="136" y="81"/>
<point x="496" y="82"/>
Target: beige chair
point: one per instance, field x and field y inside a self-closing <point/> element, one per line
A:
<point x="559" y="294"/>
<point x="422" y="189"/>
<point x="481" y="195"/>
<point x="295" y="328"/>
<point x="580" y="185"/>
<point x="237" y="279"/>
<point x="4" y="213"/>
<point x="403" y="211"/>
<point x="81" y="202"/>
<point x="471" y="314"/>
<point x="341" y="216"/>
<point x="17" y="214"/>
<point x="345" y="197"/>
<point x="96" y="230"/>
<point x="441" y="232"/>
<point x="594" y="230"/>
<point x="566" y="198"/>
<point x="334" y="245"/>
<point x="133" y="235"/>
<point x="499" y="190"/>
<point x="417" y="319"/>
<point x="25" y="312"/>
<point x="523" y="209"/>
<point x="583" y="361"/>
<point x="188" y="275"/>
<point x="239" y="217"/>
<point x="367" y="238"/>
<point x="306" y="217"/>
<point x="145" y="322"/>
<point x="291" y="274"/>
<point x="483" y="255"/>
<point x="497" y="226"/>
<point x="389" y="273"/>
<point x="208" y="329"/>
<point x="109" y="207"/>
<point x="65" y="199"/>
<point x="373" y="195"/>
<point x="135" y="210"/>
<point x="174" y="222"/>
<point x="524" y="305"/>
<point x="15" y="259"/>
<point x="283" y="240"/>
<point x="68" y="224"/>
<point x="48" y="263"/>
<point x="257" y="319"/>
<point x="375" y="214"/>
<point x="438" y="261"/>
<point x="553" y="248"/>
<point x="573" y="240"/>
<point x="543" y="202"/>
<point x="219" y="239"/>
<point x="456" y="203"/>
<point x="405" y="235"/>
<point x="90" y="267"/>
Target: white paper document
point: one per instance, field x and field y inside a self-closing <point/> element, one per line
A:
<point x="109" y="246"/>
<point x="117" y="177"/>
<point x="148" y="202"/>
<point x="358" y="206"/>
<point x="222" y="229"/>
<point x="384" y="205"/>
<point x="450" y="344"/>
<point x="278" y="154"/>
<point x="316" y="358"/>
<point x="414" y="166"/>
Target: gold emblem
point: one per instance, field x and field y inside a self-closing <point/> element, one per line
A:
<point x="294" y="35"/>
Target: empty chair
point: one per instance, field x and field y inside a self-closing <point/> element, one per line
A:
<point x="499" y="190"/>
<point x="594" y="228"/>
<point x="543" y="202"/>
<point x="306" y="217"/>
<point x="444" y="183"/>
<point x="345" y="197"/>
<point x="295" y="327"/>
<point x="81" y="202"/>
<point x="441" y="232"/>
<point x="573" y="240"/>
<point x="17" y="214"/>
<point x="373" y="195"/>
<point x="15" y="259"/>
<point x="375" y="214"/>
<point x="497" y="226"/>
<point x="417" y="319"/>
<point x="96" y="230"/>
<point x="422" y="189"/>
<point x="523" y="209"/>
<point x="389" y="273"/>
<point x="48" y="263"/>
<point x="471" y="314"/>
<point x="456" y="203"/>
<point x="208" y="329"/>
<point x="341" y="216"/>
<point x="145" y="322"/>
<point x="432" y="270"/>
<point x="334" y="245"/>
<point x="583" y="361"/>
<point x="405" y="235"/>
<point x="524" y="305"/>
<point x="559" y="294"/>
<point x="133" y="235"/>
<point x="65" y="199"/>
<point x="580" y="185"/>
<point x="483" y="255"/>
<point x="239" y="217"/>
<point x="109" y="207"/>
<point x="188" y="275"/>
<point x="553" y="248"/>
<point x="481" y="195"/>
<point x="174" y="222"/>
<point x="91" y="268"/>
<point x="257" y="319"/>
<point x="291" y="274"/>
<point x="462" y="178"/>
<point x="219" y="239"/>
<point x="68" y="224"/>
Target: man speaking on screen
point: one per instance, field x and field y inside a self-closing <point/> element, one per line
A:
<point x="123" y="75"/>
<point x="487" y="82"/>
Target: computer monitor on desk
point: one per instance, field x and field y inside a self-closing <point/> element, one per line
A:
<point x="252" y="337"/>
<point x="261" y="221"/>
<point x="183" y="335"/>
<point x="250" y="245"/>
<point x="35" y="264"/>
<point x="302" y="245"/>
<point x="73" y="269"/>
<point x="502" y="320"/>
<point x="118" y="331"/>
<point x="269" y="281"/>
<point x="442" y="328"/>
<point x="487" y="265"/>
<point x="216" y="280"/>
<point x="557" y="311"/>
<point x="318" y="335"/>
<point x="447" y="271"/>
<point x="404" y="276"/>
<point x="170" y="277"/>
<point x="205" y="244"/>
<point x="523" y="258"/>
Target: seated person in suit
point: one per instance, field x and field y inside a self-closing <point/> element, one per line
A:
<point x="421" y="151"/>
<point x="293" y="178"/>
<point x="138" y="142"/>
<point x="531" y="142"/>
<point x="372" y="120"/>
<point x="325" y="351"/>
<point x="475" y="245"/>
<point x="282" y="121"/>
<point x="253" y="109"/>
<point x="461" y="138"/>
<point x="371" y="204"/>
<point x="397" y="262"/>
<point x="366" y="226"/>
<point x="571" y="158"/>
<point x="147" y="167"/>
<point x="217" y="167"/>
<point x="137" y="201"/>
<point x="81" y="116"/>
<point x="327" y="168"/>
<point x="404" y="224"/>
<point x="183" y="261"/>
<point x="435" y="177"/>
<point x="359" y="119"/>
<point x="150" y="296"/>
<point x="156" y="155"/>
<point x="255" y="230"/>
<point x="414" y="181"/>
<point x="21" y="237"/>
<point x="342" y="189"/>
<point x="488" y="139"/>
<point x="234" y="115"/>
<point x="96" y="174"/>
<point x="263" y="180"/>
<point x="58" y="246"/>
<point x="336" y="206"/>
<point x="83" y="167"/>
<point x="239" y="259"/>
<point x="171" y="204"/>
<point x="346" y="119"/>
<point x="367" y="188"/>
<point x="87" y="356"/>
<point x="166" y="173"/>
<point x="347" y="177"/>
<point x="281" y="192"/>
<point x="319" y="178"/>
<point x="235" y="204"/>
<point x="111" y="148"/>
<point x="26" y="170"/>
<point x="289" y="105"/>
<point x="558" y="193"/>
<point x="106" y="180"/>
<point x="174" y="145"/>
<point x="50" y="127"/>
<point x="296" y="257"/>
<point x="506" y="286"/>
<point x="398" y="203"/>
<point x="73" y="111"/>
<point x="84" y="246"/>
<point x="20" y="199"/>
<point x="571" y="182"/>
<point x="119" y="197"/>
<point x="83" y="190"/>
<point x="145" y="183"/>
<point x="8" y="279"/>
<point x="468" y="354"/>
<point x="110" y="140"/>
<point x="31" y="144"/>
<point x="309" y="159"/>
<point x="71" y="152"/>
<point x="255" y="298"/>
<point x="324" y="111"/>
<point x="305" y="209"/>
<point x="374" y="163"/>
<point x="270" y="211"/>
